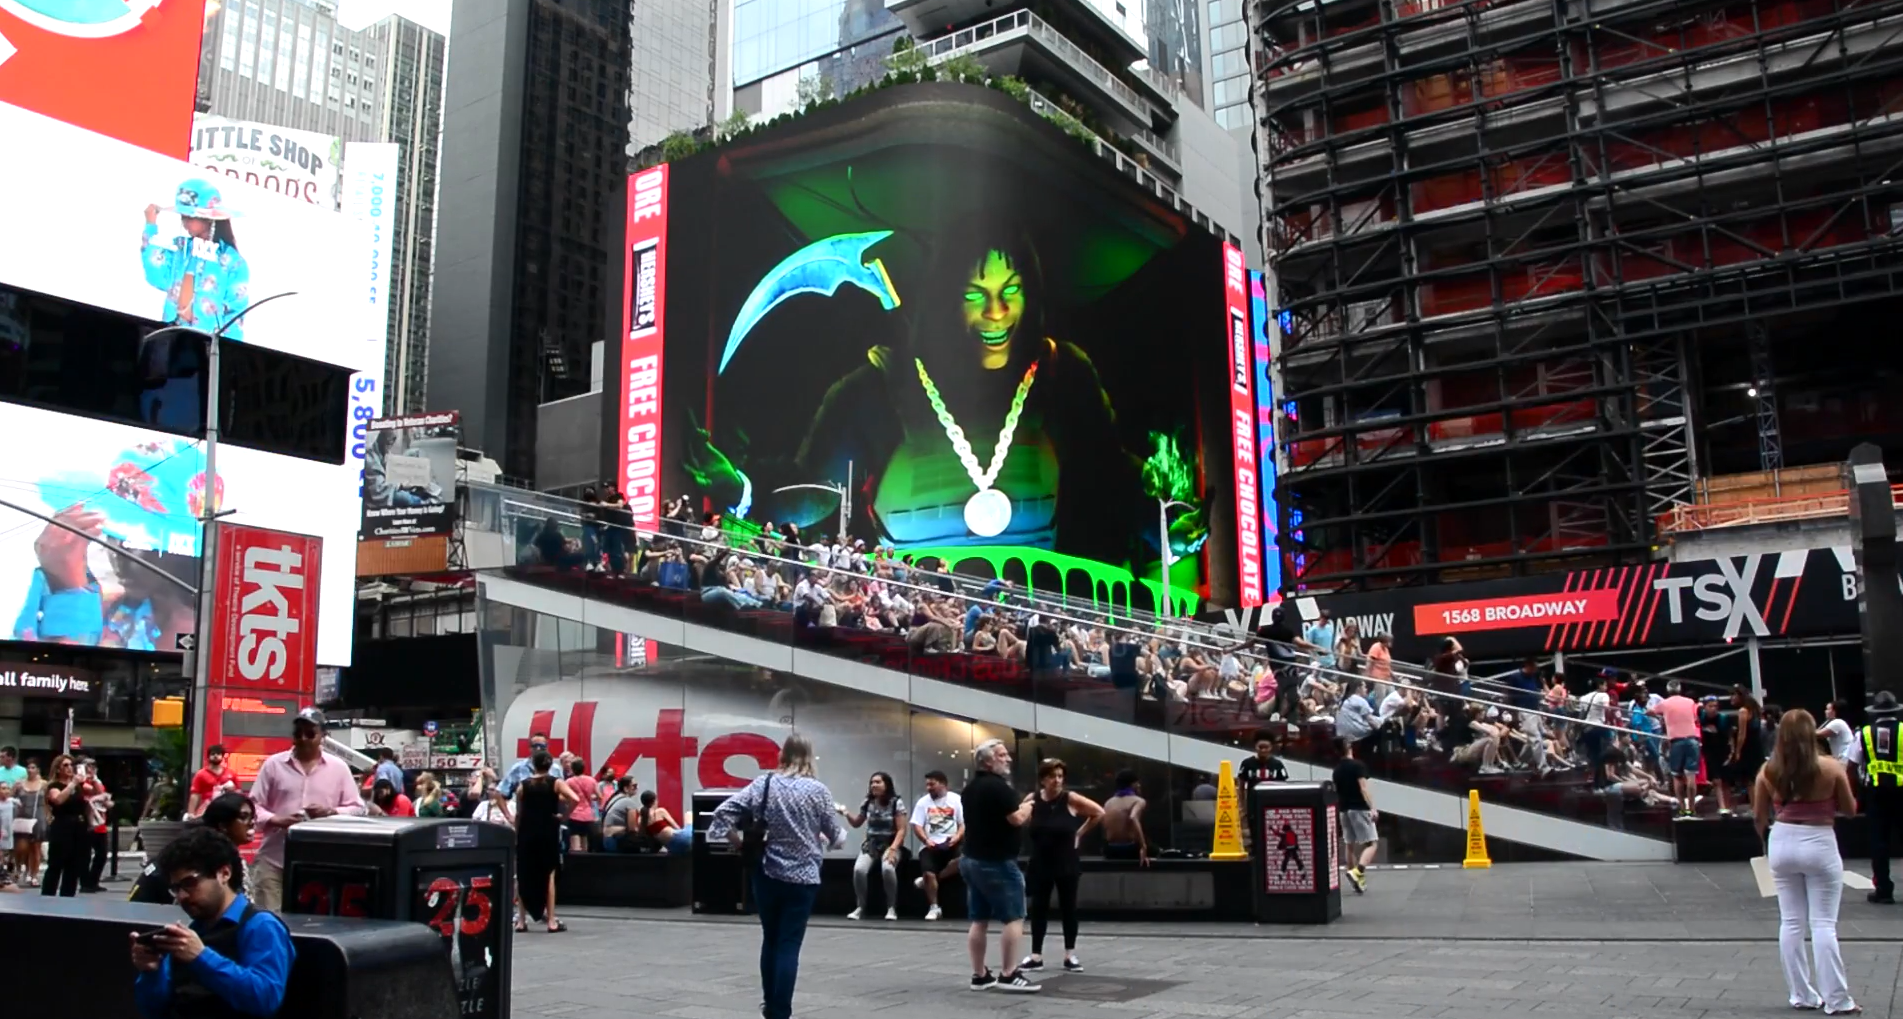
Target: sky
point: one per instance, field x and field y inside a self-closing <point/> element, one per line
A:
<point x="431" y="14"/>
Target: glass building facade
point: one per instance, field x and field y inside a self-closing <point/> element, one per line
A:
<point x="770" y="36"/>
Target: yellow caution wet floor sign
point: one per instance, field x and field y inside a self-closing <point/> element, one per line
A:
<point x="1228" y="841"/>
<point x="1476" y="835"/>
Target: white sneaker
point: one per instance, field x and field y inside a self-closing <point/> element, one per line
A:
<point x="933" y="913"/>
<point x="891" y="914"/>
<point x="918" y="882"/>
<point x="854" y="915"/>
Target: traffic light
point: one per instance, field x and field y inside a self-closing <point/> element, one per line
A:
<point x="168" y="713"/>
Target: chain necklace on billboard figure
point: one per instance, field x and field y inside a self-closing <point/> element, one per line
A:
<point x="988" y="512"/>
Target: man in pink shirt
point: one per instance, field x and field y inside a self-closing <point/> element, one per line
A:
<point x="292" y="787"/>
<point x="1682" y="748"/>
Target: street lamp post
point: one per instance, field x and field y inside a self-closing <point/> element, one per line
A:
<point x="844" y="492"/>
<point x="1163" y="544"/>
<point x="208" y="521"/>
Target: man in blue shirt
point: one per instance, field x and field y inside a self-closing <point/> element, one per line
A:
<point x="520" y="771"/>
<point x="1321" y="633"/>
<point x="234" y="958"/>
<point x="387" y="768"/>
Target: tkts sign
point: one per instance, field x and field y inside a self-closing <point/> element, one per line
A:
<point x="1795" y="593"/>
<point x="264" y="612"/>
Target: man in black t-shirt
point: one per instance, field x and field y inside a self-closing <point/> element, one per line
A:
<point x="1357" y="815"/>
<point x="1263" y="767"/>
<point x="994" y="887"/>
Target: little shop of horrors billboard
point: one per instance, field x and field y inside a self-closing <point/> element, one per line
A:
<point x="1795" y="593"/>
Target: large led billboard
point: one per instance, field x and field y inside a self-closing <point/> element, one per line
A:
<point x="140" y="491"/>
<point x="164" y="240"/>
<point x="1265" y="433"/>
<point x="124" y="68"/>
<point x="1002" y="349"/>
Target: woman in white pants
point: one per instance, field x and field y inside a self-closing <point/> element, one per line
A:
<point x="1806" y="791"/>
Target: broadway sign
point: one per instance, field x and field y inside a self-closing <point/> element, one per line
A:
<point x="1795" y="593"/>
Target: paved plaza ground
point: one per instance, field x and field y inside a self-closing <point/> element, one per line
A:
<point x="1569" y="941"/>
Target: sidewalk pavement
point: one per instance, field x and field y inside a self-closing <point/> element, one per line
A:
<point x="1571" y="941"/>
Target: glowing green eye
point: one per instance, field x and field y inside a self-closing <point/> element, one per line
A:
<point x="1012" y="290"/>
<point x="975" y="296"/>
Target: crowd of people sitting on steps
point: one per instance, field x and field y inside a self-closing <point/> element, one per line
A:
<point x="1615" y="731"/>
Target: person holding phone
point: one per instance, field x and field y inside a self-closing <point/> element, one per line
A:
<point x="300" y="784"/>
<point x="68" y="836"/>
<point x="231" y="959"/>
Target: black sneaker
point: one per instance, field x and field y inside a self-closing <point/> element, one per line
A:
<point x="1016" y="983"/>
<point x="1882" y="898"/>
<point x="985" y="982"/>
<point x="1032" y="963"/>
<point x="1072" y="964"/>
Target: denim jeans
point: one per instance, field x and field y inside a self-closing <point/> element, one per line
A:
<point x="784" y="909"/>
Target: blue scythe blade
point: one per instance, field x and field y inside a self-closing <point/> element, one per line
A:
<point x="818" y="268"/>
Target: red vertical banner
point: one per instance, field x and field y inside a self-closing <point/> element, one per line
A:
<point x="262" y="641"/>
<point x="264" y="612"/>
<point x="1235" y="292"/>
<point x="128" y="70"/>
<point x="642" y="345"/>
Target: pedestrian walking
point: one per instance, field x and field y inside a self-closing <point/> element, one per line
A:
<point x="540" y="803"/>
<point x="787" y="818"/>
<point x="1805" y="791"/>
<point x="994" y="887"/>
<point x="1059" y="819"/>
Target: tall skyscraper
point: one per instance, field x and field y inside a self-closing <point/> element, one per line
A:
<point x="530" y="225"/>
<point x="672" y="73"/>
<point x="291" y="64"/>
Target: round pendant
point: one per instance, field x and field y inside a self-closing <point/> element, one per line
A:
<point x="988" y="513"/>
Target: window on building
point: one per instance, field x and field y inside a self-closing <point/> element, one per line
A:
<point x="287" y="49"/>
<point x="248" y="49"/>
<point x="303" y="61"/>
<point x="1232" y="90"/>
<point x="1232" y="117"/>
<point x="1223" y="11"/>
<point x="268" y="47"/>
<point x="1229" y="64"/>
<point x="338" y="49"/>
<point x="352" y="78"/>
<point x="1226" y="37"/>
<point x="228" y="50"/>
<point x="350" y="102"/>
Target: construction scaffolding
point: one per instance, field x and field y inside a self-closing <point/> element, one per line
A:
<point x="1502" y="231"/>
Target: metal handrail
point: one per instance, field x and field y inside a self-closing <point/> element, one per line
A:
<point x="1768" y="510"/>
<point x="966" y="38"/>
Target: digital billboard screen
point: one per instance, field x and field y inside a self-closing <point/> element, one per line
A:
<point x="140" y="492"/>
<point x="167" y="241"/>
<point x="1003" y="349"/>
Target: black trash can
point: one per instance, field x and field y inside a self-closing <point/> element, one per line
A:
<point x="456" y="876"/>
<point x="720" y="874"/>
<point x="1295" y="856"/>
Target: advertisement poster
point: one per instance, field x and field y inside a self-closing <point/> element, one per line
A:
<point x="1259" y="319"/>
<point x="142" y="493"/>
<point x="40" y="679"/>
<point x="643" y="347"/>
<point x="302" y="165"/>
<point x="1241" y="343"/>
<point x="166" y="240"/>
<point x="1334" y="849"/>
<point x="1290" y="865"/>
<point x="369" y="205"/>
<point x="127" y="69"/>
<point x="409" y="475"/>
<point x="264" y="592"/>
<point x="983" y="335"/>
<point x="1793" y="593"/>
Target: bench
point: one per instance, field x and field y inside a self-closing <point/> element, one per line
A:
<point x="652" y="880"/>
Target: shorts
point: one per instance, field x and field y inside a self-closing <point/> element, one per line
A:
<point x="994" y="890"/>
<point x="934" y="859"/>
<point x="1681" y="756"/>
<point x="1357" y="827"/>
<point x="265" y="886"/>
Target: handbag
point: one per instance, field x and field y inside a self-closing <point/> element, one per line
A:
<point x="24" y="825"/>
<point x="754" y="833"/>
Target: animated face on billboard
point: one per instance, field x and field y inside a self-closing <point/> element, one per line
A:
<point x="1002" y="350"/>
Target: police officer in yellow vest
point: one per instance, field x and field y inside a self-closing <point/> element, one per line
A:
<point x="1879" y="748"/>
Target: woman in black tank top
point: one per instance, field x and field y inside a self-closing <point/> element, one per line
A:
<point x="1059" y="819"/>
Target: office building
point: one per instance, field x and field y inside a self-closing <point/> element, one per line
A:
<point x="530" y="226"/>
<point x="674" y="66"/>
<point x="1541" y="282"/>
<point x="291" y="64"/>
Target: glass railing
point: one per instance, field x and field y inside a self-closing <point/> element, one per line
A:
<point x="981" y="33"/>
<point x="1176" y="681"/>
